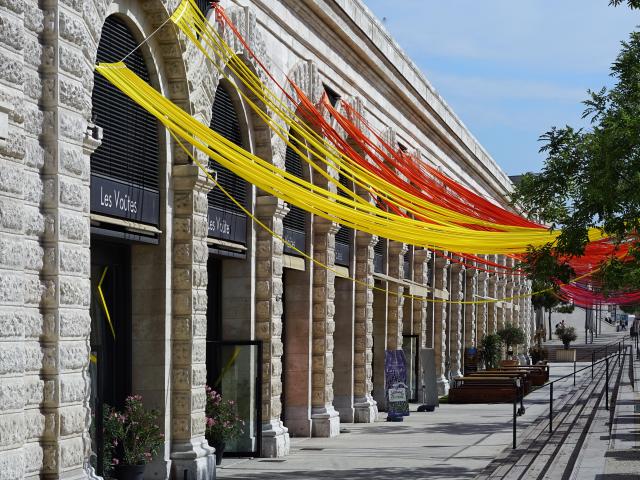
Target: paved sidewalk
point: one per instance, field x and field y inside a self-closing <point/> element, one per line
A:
<point x="454" y="442"/>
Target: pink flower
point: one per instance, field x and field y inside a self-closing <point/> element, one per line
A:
<point x="115" y="461"/>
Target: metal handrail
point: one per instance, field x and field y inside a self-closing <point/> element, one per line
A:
<point x="550" y="384"/>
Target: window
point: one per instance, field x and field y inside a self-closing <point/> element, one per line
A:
<point x="295" y="221"/>
<point x="226" y="219"/>
<point x="124" y="168"/>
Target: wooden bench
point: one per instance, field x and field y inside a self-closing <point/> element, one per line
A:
<point x="525" y="381"/>
<point x="536" y="375"/>
<point x="485" y="389"/>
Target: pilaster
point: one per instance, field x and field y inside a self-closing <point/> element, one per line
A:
<point x="483" y="308"/>
<point x="269" y="249"/>
<point x="396" y="299"/>
<point x="455" y="332"/>
<point x="366" y="409"/>
<point x="440" y="324"/>
<point x="325" y="420"/>
<point x="421" y="274"/>
<point x="189" y="448"/>
<point x="471" y="309"/>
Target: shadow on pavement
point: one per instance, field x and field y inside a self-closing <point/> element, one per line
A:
<point x="436" y="472"/>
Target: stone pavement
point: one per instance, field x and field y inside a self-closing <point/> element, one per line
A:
<point x="454" y="442"/>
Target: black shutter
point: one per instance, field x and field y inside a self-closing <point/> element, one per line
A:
<point x="224" y="121"/>
<point x="204" y="6"/>
<point x="407" y="264"/>
<point x="129" y="150"/>
<point x="294" y="222"/>
<point x="227" y="220"/>
<point x="379" y="255"/>
<point x="344" y="237"/>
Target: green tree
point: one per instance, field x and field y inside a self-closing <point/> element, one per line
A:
<point x="511" y="335"/>
<point x="591" y="178"/>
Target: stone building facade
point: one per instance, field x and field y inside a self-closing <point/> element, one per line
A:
<point x="311" y="342"/>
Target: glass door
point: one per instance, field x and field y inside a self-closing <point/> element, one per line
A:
<point x="410" y="347"/>
<point x="235" y="372"/>
<point x="110" y="361"/>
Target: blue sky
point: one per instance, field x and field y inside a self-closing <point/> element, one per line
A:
<point x="511" y="69"/>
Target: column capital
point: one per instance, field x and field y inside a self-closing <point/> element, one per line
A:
<point x="270" y="206"/>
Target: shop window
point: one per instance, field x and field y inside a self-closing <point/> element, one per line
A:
<point x="124" y="168"/>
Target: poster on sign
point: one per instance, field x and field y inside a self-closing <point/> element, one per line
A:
<point x="395" y="369"/>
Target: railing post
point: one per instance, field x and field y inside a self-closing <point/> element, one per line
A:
<point x="574" y="373"/>
<point x="593" y="360"/>
<point x="515" y="401"/>
<point x="551" y="408"/>
<point x="606" y="384"/>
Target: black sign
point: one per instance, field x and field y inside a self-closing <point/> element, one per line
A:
<point x="343" y="254"/>
<point x="295" y="238"/>
<point x="228" y="226"/>
<point x="122" y="200"/>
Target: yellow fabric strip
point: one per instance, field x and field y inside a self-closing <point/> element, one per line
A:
<point x="104" y="303"/>
<point x="315" y="199"/>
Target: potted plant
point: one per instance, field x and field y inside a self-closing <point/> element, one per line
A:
<point x="491" y="350"/>
<point x="566" y="335"/>
<point x="511" y="335"/>
<point x="537" y="353"/>
<point x="132" y="438"/>
<point x="223" y="423"/>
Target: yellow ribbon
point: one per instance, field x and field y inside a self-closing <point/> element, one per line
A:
<point x="104" y="303"/>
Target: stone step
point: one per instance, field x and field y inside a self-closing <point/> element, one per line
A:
<point x="542" y="455"/>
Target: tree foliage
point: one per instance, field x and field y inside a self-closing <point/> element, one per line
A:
<point x="591" y="177"/>
<point x="630" y="3"/>
<point x="511" y="335"/>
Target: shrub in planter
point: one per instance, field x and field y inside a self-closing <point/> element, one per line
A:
<point x="566" y="335"/>
<point x="491" y="350"/>
<point x="131" y="438"/>
<point x="511" y="336"/>
<point x="223" y="424"/>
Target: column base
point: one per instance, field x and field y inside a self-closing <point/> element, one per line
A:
<point x="443" y="386"/>
<point x="344" y="405"/>
<point x="455" y="373"/>
<point x="275" y="439"/>
<point x="195" y="457"/>
<point x="325" y="422"/>
<point x="365" y="410"/>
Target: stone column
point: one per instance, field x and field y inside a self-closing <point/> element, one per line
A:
<point x="510" y="314"/>
<point x="57" y="413"/>
<point x="440" y="324"/>
<point x="395" y="299"/>
<point x="455" y="334"/>
<point x="325" y="420"/>
<point x="470" y="320"/>
<point x="270" y="210"/>
<point x="421" y="276"/>
<point x="501" y="293"/>
<point x="483" y="308"/>
<point x="492" y="307"/>
<point x="189" y="448"/>
<point x="365" y="406"/>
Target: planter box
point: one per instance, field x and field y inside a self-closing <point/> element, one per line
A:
<point x="566" y="355"/>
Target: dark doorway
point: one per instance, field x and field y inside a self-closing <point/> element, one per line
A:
<point x="110" y="364"/>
